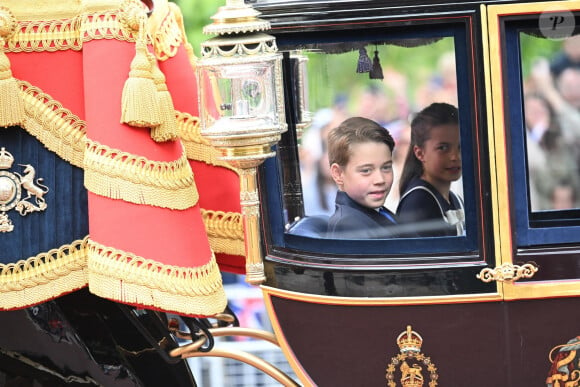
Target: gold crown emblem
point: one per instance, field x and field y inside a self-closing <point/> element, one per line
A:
<point x="409" y="341"/>
<point x="6" y="159"/>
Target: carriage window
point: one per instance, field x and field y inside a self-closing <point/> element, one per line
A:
<point x="414" y="77"/>
<point x="542" y="87"/>
<point x="388" y="80"/>
<point x="551" y="89"/>
<point x="388" y="84"/>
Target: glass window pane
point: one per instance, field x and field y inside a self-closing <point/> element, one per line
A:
<point x="416" y="73"/>
<point x="551" y="73"/>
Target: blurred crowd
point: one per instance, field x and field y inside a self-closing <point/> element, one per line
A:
<point x="552" y="120"/>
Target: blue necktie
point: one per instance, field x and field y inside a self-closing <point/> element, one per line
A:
<point x="384" y="212"/>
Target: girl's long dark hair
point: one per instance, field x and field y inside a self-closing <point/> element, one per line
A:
<point x="435" y="114"/>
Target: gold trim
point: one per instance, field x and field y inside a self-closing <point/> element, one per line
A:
<point x="128" y="278"/>
<point x="496" y="217"/>
<point x="282" y="341"/>
<point x="537" y="7"/>
<point x="120" y="175"/>
<point x="380" y="301"/>
<point x="67" y="34"/>
<point x="45" y="276"/>
<point x="46" y="9"/>
<point x="500" y="193"/>
<point x="196" y="146"/>
<point x="225" y="231"/>
<point x="507" y="272"/>
<point x="61" y="131"/>
<point x="57" y="28"/>
<point x="500" y="187"/>
<point x="531" y="290"/>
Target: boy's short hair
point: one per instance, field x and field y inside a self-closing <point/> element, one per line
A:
<point x="355" y="130"/>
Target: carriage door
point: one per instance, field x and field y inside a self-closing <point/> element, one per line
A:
<point x="535" y="79"/>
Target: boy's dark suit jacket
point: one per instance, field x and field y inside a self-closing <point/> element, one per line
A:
<point x="353" y="221"/>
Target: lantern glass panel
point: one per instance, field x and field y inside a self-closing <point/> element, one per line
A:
<point x="244" y="92"/>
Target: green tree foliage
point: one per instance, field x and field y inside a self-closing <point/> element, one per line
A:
<point x="196" y="15"/>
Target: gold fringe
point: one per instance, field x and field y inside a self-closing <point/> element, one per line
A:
<point x="167" y="130"/>
<point x="125" y="277"/>
<point x="11" y="106"/>
<point x="119" y="175"/>
<point x="61" y="131"/>
<point x="225" y="231"/>
<point x="196" y="146"/>
<point x="45" y="276"/>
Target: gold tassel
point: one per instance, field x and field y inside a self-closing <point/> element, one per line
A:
<point x="139" y="105"/>
<point x="11" y="105"/>
<point x="167" y="130"/>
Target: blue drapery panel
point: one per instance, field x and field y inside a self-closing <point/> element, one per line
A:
<point x="65" y="218"/>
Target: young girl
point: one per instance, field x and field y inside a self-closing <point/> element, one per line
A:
<point x="432" y="164"/>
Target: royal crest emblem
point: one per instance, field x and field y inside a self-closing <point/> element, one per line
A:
<point x="411" y="366"/>
<point x="13" y="185"/>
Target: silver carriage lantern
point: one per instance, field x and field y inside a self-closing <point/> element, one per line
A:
<point x="242" y="107"/>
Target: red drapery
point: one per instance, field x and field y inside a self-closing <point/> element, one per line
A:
<point x="162" y="214"/>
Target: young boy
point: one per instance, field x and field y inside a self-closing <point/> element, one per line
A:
<point x="360" y="157"/>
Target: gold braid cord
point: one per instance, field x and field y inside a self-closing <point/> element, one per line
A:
<point x="67" y="34"/>
<point x="196" y="146"/>
<point x="57" y="128"/>
<point x="48" y="275"/>
<point x="125" y="277"/>
<point x="54" y="33"/>
<point x="119" y="175"/>
<point x="225" y="231"/>
<point x="165" y="30"/>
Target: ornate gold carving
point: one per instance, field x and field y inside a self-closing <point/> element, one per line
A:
<point x="121" y="175"/>
<point x="12" y="184"/>
<point x="408" y="366"/>
<point x="564" y="371"/>
<point x="507" y="272"/>
<point x="255" y="273"/>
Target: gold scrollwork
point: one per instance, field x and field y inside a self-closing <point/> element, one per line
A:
<point x="507" y="272"/>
